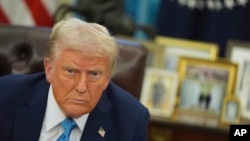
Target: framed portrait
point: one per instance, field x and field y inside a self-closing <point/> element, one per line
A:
<point x="231" y="111"/>
<point x="159" y="92"/>
<point x="176" y="47"/>
<point x="155" y="51"/>
<point x="238" y="52"/>
<point x="203" y="85"/>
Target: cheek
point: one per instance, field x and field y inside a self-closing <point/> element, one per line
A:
<point x="97" y="90"/>
<point x="104" y="84"/>
<point x="61" y="86"/>
<point x="58" y="78"/>
<point x="62" y="91"/>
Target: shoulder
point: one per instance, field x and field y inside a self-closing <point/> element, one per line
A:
<point x="124" y="100"/>
<point x="126" y="113"/>
<point x="19" y="82"/>
<point x="20" y="78"/>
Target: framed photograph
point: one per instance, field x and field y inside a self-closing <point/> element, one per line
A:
<point x="159" y="91"/>
<point x="231" y="111"/>
<point x="155" y="51"/>
<point x="203" y="86"/>
<point x="238" y="52"/>
<point x="176" y="47"/>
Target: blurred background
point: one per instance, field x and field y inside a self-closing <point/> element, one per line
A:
<point x="214" y="21"/>
<point x="205" y="20"/>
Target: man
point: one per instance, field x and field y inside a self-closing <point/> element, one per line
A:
<point x="75" y="91"/>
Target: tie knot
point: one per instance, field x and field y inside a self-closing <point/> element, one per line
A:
<point x="68" y="124"/>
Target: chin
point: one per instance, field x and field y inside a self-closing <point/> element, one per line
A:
<point x="76" y="112"/>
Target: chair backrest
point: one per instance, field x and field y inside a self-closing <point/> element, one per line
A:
<point x="22" y="49"/>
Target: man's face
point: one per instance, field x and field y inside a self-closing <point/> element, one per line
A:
<point x="77" y="81"/>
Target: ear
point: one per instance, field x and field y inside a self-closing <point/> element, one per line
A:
<point x="48" y="67"/>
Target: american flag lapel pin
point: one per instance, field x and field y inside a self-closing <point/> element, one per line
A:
<point x="101" y="132"/>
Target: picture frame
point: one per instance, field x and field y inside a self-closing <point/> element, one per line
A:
<point x="154" y="55"/>
<point x="238" y="51"/>
<point x="159" y="92"/>
<point x="155" y="51"/>
<point x="177" y="47"/>
<point x="203" y="85"/>
<point x="231" y="112"/>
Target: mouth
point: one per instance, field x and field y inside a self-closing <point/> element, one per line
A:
<point x="79" y="101"/>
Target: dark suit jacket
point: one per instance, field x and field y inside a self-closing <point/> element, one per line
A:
<point x="23" y="101"/>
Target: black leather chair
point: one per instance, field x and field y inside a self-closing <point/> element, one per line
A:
<point x="22" y="49"/>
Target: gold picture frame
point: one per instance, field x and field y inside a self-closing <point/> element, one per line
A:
<point x="238" y="51"/>
<point x="231" y="111"/>
<point x="176" y="47"/>
<point x="203" y="85"/>
<point x="159" y="92"/>
<point x="154" y="50"/>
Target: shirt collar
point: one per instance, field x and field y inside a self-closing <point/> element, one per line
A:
<point x="54" y="114"/>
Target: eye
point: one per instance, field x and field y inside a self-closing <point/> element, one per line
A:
<point x="69" y="72"/>
<point x="95" y="75"/>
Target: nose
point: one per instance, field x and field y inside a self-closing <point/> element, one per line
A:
<point x="81" y="86"/>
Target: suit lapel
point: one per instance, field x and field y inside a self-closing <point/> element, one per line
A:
<point x="98" y="118"/>
<point x="28" y="121"/>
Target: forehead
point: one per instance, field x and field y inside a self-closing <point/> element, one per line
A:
<point x="76" y="58"/>
<point x="88" y="49"/>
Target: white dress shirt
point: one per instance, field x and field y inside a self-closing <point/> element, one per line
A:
<point x="51" y="128"/>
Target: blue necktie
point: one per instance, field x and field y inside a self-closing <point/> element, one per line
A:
<point x="68" y="124"/>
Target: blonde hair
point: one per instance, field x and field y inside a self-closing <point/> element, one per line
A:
<point x="91" y="39"/>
